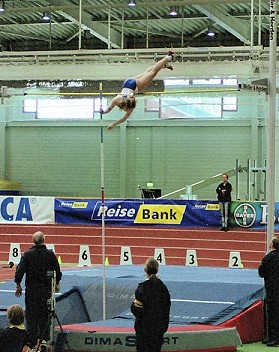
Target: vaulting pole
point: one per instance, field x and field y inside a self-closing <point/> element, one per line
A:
<point x="79" y="24"/>
<point x="103" y="201"/>
<point x="271" y="121"/>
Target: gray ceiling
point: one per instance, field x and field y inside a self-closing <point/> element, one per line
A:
<point x="112" y="24"/>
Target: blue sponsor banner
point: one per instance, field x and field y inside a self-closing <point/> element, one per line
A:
<point x="185" y="213"/>
<point x="138" y="212"/>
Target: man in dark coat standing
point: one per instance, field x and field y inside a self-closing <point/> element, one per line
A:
<point x="37" y="263"/>
<point x="151" y="308"/>
<point x="223" y="191"/>
<point x="269" y="270"/>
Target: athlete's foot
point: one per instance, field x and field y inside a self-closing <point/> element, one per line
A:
<point x="171" y="53"/>
<point x="169" y="66"/>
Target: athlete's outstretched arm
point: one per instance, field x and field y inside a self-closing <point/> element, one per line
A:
<point x="112" y="104"/>
<point x="118" y="122"/>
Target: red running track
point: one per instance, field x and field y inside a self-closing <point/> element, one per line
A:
<point x="212" y="246"/>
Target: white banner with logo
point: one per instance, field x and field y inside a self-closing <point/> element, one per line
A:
<point x="27" y="210"/>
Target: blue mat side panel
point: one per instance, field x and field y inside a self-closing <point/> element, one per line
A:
<point x="71" y="307"/>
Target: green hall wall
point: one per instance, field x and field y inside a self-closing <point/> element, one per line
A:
<point x="62" y="158"/>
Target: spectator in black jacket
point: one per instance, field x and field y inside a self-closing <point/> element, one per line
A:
<point x="37" y="263"/>
<point x="269" y="270"/>
<point x="223" y="191"/>
<point x="151" y="308"/>
<point x="14" y="337"/>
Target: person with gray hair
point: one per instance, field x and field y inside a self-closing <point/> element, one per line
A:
<point x="151" y="308"/>
<point x="36" y="264"/>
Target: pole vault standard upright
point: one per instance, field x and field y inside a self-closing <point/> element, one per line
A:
<point x="103" y="201"/>
<point x="271" y="121"/>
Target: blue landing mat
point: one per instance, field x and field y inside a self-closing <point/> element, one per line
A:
<point x="199" y="294"/>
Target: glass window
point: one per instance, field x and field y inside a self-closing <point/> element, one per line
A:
<point x="152" y="104"/>
<point x="64" y="108"/>
<point x="229" y="104"/>
<point x="176" y="82"/>
<point x="30" y="105"/>
<point x="191" y="107"/>
<point x="230" y="82"/>
<point x="209" y="81"/>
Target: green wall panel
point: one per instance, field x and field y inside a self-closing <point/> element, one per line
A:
<point x="60" y="160"/>
<point x="172" y="157"/>
<point x="63" y="159"/>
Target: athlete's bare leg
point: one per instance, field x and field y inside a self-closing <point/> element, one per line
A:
<point x="144" y="73"/>
<point x="144" y="79"/>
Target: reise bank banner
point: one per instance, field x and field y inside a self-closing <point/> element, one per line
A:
<point x="138" y="212"/>
<point x="184" y="213"/>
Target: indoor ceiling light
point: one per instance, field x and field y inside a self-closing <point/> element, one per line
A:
<point x="210" y="32"/>
<point x="2" y="6"/>
<point x="173" y="11"/>
<point x="46" y="16"/>
<point x="132" y="3"/>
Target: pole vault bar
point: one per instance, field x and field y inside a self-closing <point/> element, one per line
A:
<point x="190" y="91"/>
<point x="6" y="94"/>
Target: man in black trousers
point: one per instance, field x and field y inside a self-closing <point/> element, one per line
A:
<point x="223" y="191"/>
<point x="269" y="270"/>
<point x="38" y="264"/>
<point x="151" y="308"/>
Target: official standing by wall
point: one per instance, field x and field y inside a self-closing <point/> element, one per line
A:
<point x="223" y="191"/>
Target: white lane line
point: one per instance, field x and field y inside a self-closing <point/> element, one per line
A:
<point x="13" y="291"/>
<point x="197" y="301"/>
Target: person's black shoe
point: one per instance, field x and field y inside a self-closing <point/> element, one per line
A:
<point x="273" y="343"/>
<point x="222" y="228"/>
<point x="43" y="347"/>
<point x="226" y="229"/>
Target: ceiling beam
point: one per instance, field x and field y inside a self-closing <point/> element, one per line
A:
<point x="237" y="27"/>
<point x="61" y="6"/>
<point x="13" y="33"/>
<point x="72" y="36"/>
<point x="98" y="29"/>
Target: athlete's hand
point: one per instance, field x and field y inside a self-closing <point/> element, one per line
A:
<point x="18" y="291"/>
<point x="110" y="127"/>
